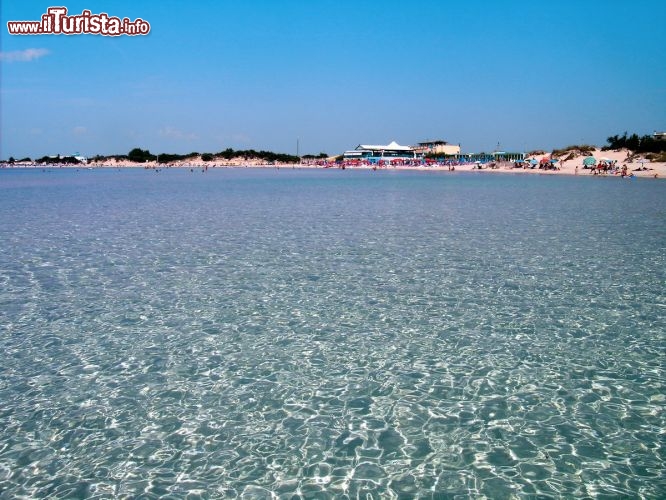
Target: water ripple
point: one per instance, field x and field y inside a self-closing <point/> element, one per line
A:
<point x="318" y="334"/>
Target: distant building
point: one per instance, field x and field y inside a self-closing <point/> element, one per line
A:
<point x="77" y="156"/>
<point x="507" y="156"/>
<point x="437" y="147"/>
<point x="659" y="136"/>
<point x="374" y="152"/>
<point x="80" y="157"/>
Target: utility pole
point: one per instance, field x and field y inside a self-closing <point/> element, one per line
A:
<point x="297" y="147"/>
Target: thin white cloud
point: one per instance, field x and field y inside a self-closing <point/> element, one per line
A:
<point x="79" y="130"/>
<point x="174" y="133"/>
<point x="23" y="55"/>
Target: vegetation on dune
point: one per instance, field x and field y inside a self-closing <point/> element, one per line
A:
<point x="320" y="156"/>
<point x="573" y="151"/>
<point x="635" y="143"/>
<point x="169" y="157"/>
<point x="12" y="160"/>
<point x="251" y="154"/>
<point x="657" y="157"/>
<point x="98" y="158"/>
<point x="139" y="155"/>
<point x="60" y="160"/>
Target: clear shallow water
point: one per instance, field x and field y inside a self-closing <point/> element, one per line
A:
<point x="331" y="333"/>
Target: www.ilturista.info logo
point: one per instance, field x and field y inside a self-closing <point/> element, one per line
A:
<point x="57" y="22"/>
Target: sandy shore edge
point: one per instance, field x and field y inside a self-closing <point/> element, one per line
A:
<point x="656" y="170"/>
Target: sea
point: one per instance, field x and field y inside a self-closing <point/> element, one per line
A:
<point x="286" y="333"/>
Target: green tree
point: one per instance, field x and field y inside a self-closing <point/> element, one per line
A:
<point x="227" y="154"/>
<point x="140" y="156"/>
<point x="644" y="144"/>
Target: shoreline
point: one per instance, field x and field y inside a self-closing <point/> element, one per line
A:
<point x="572" y="167"/>
<point x="654" y="171"/>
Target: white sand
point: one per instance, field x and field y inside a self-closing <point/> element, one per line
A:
<point x="570" y="167"/>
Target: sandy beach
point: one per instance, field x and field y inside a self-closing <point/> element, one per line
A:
<point x="635" y="166"/>
<point x="571" y="167"/>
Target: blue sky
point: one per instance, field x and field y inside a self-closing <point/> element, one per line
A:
<point x="333" y="74"/>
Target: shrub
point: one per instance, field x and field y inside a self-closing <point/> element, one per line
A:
<point x="644" y="144"/>
<point x="140" y="156"/>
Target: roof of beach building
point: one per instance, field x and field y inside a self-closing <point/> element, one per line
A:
<point x="393" y="146"/>
<point x="437" y="142"/>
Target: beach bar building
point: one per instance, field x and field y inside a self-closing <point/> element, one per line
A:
<point x="507" y="156"/>
<point x="395" y="153"/>
<point x="437" y="147"/>
<point x="377" y="152"/>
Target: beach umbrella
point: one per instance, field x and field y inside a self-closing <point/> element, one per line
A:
<point x="589" y="161"/>
<point x="533" y="161"/>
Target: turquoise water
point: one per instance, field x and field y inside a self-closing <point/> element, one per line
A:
<point x="331" y="334"/>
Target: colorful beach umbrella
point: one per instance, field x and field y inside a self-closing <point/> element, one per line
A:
<point x="589" y="161"/>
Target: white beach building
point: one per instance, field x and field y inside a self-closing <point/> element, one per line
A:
<point x="380" y="151"/>
<point x="438" y="147"/>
